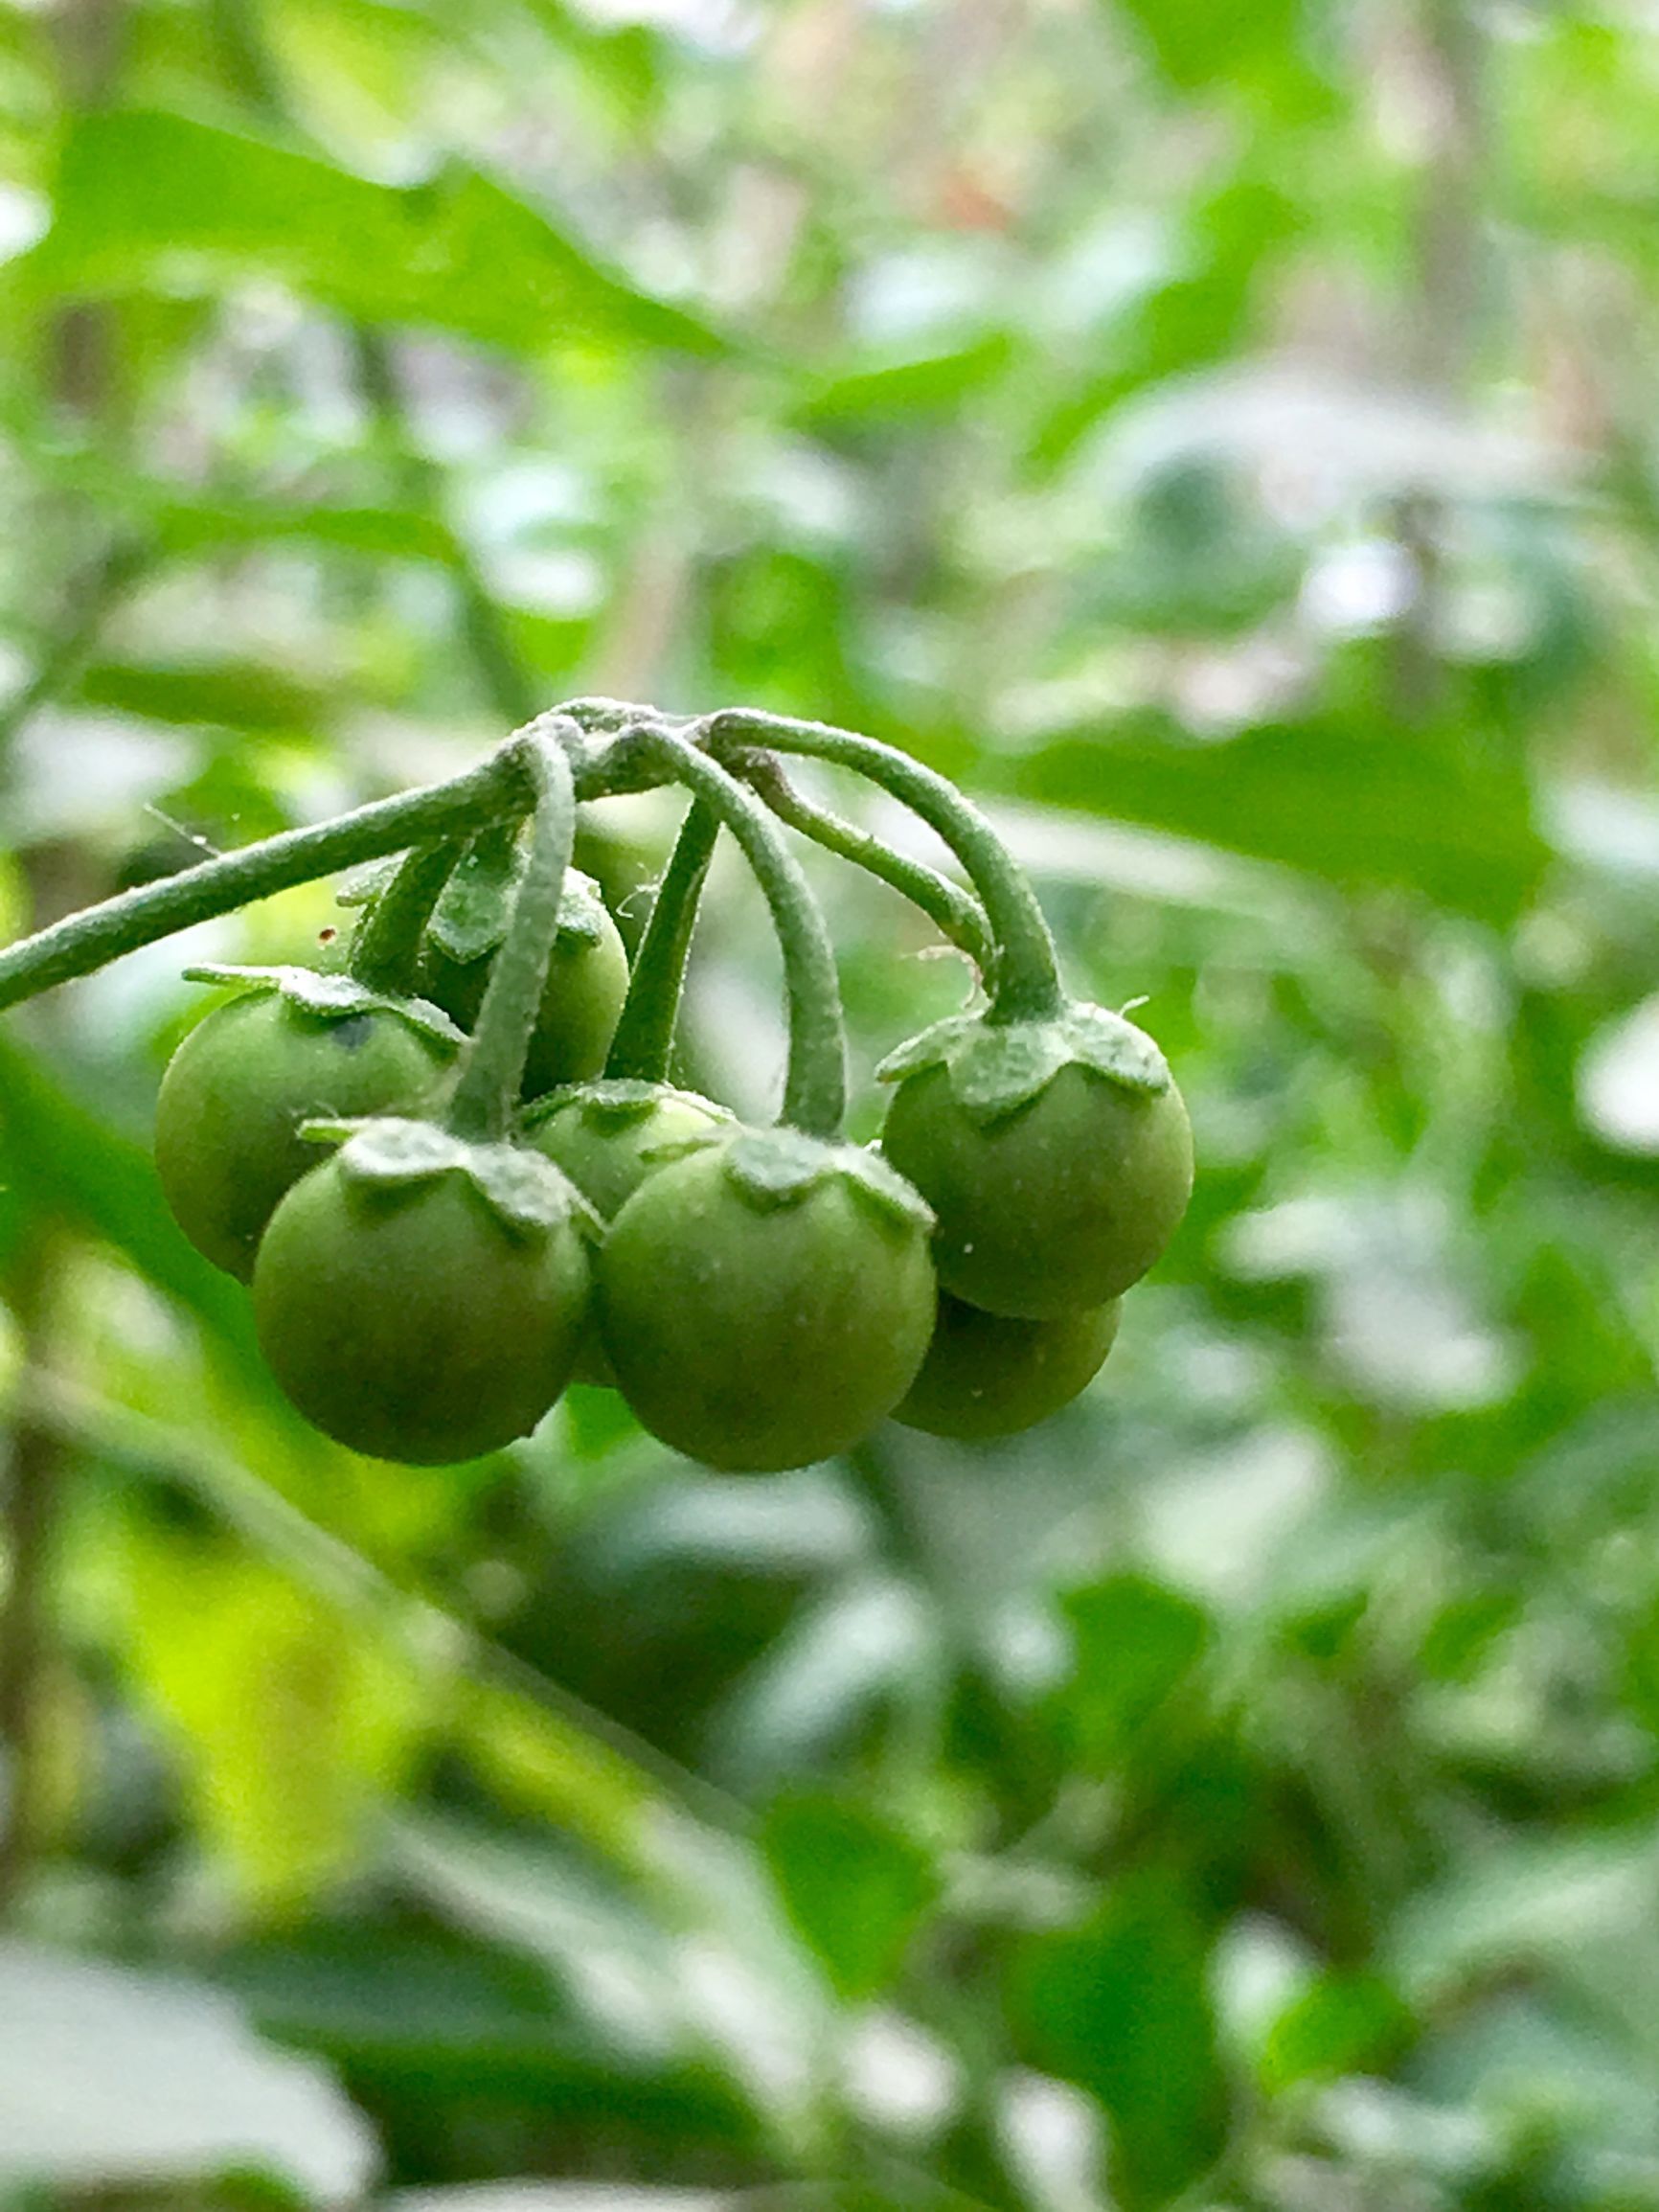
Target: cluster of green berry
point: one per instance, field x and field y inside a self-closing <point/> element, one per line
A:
<point x="760" y="1297"/>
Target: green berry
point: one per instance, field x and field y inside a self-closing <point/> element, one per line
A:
<point x="607" y="1137"/>
<point x="986" y="1374"/>
<point x="759" y="1329"/>
<point x="241" y="1086"/>
<point x="412" y="1322"/>
<point x="1060" y="1205"/>
<point x="581" y="1002"/>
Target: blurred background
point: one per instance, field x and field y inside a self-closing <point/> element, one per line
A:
<point x="1223" y="439"/>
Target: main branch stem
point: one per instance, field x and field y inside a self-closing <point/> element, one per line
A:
<point x="495" y="790"/>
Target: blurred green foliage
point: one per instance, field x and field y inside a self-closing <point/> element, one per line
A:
<point x="1221" y="439"/>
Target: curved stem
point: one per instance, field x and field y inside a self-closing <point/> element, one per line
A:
<point x="815" y="1089"/>
<point x="492" y="1061"/>
<point x="495" y="790"/>
<point x="1024" y="982"/>
<point x="644" y="1035"/>
<point x="956" y="914"/>
<point x="386" y="950"/>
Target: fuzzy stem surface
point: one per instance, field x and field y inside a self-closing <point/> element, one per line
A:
<point x="643" y="1040"/>
<point x="495" y="790"/>
<point x="1024" y="980"/>
<point x="386" y="950"/>
<point x="492" y="1061"/>
<point x="956" y="914"/>
<point x="816" y="1086"/>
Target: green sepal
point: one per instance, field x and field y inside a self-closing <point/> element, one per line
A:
<point x="780" y="1167"/>
<point x="332" y="997"/>
<point x="475" y="906"/>
<point x="526" y="1192"/>
<point x="615" y="1102"/>
<point x="994" y="1068"/>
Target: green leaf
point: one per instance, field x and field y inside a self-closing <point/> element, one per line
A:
<point x="288" y="1731"/>
<point x="1343" y="2023"/>
<point x="780" y="1167"/>
<point x="1199" y="316"/>
<point x="1134" y="1642"/>
<point x="855" y="1888"/>
<point x="1207" y="42"/>
<point x="1121" y="2006"/>
<point x="996" y="1067"/>
<point x="148" y="201"/>
<point x="329" y="995"/>
<point x="527" y="1194"/>
<point x="188" y="527"/>
<point x="475" y="906"/>
<point x="236" y="694"/>
<point x="1365" y="805"/>
<point x="928" y="384"/>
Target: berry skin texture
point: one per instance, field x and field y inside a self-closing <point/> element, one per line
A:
<point x="587" y="980"/>
<point x="606" y="1155"/>
<point x="1059" y="1206"/>
<point x="987" y="1376"/>
<point x="409" y="1322"/>
<point x="760" y="1336"/>
<point x="236" y="1091"/>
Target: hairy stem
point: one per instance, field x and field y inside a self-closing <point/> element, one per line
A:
<point x="495" y="790"/>
<point x="956" y="914"/>
<point x="645" y="1036"/>
<point x="492" y="1063"/>
<point x="815" y="1087"/>
<point x="386" y="950"/>
<point x="1024" y="980"/>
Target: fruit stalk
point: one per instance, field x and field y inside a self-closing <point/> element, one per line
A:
<point x="1024" y="980"/>
<point x="492" y="1061"/>
<point x="386" y="950"/>
<point x="644" y="1040"/>
<point x="816" y="1086"/>
<point x="956" y="914"/>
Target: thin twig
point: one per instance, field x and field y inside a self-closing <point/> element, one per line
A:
<point x="956" y="914"/>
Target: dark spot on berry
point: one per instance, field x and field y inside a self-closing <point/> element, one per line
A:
<point x="351" y="1034"/>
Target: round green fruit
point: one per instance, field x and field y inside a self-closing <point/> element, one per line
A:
<point x="581" y="1002"/>
<point x="241" y="1086"/>
<point x="409" y="1321"/>
<point x="986" y="1374"/>
<point x="756" y="1331"/>
<point x="1058" y="1205"/>
<point x="607" y="1137"/>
